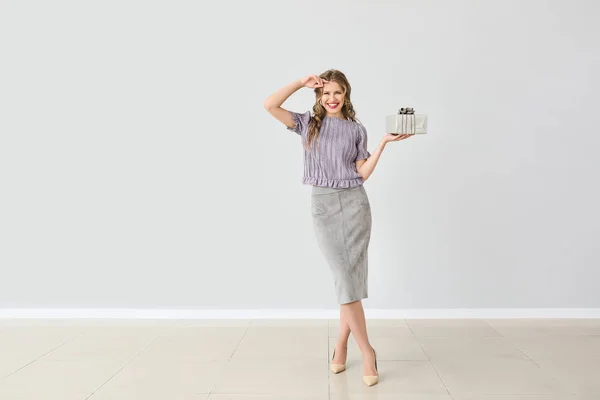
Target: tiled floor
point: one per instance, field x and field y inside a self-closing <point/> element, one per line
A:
<point x="472" y="359"/>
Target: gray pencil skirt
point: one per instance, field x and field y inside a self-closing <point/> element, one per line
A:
<point x="342" y="225"/>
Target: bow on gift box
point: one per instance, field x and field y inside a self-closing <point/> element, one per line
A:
<point x="410" y="112"/>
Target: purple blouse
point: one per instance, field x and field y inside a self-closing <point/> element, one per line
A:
<point x="341" y="143"/>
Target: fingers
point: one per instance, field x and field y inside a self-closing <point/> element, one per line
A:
<point x="403" y="136"/>
<point x="319" y="82"/>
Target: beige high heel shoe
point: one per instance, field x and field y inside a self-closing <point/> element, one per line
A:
<point x="372" y="380"/>
<point x="336" y="368"/>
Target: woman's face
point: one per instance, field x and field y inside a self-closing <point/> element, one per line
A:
<point x="333" y="99"/>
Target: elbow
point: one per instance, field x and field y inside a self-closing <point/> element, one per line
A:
<point x="363" y="172"/>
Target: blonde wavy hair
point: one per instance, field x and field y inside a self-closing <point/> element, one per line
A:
<point x="331" y="75"/>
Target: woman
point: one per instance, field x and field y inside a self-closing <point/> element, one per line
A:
<point x="336" y="164"/>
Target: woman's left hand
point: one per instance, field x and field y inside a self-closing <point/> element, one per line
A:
<point x="394" y="138"/>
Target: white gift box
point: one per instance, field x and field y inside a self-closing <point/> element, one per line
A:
<point x="406" y="122"/>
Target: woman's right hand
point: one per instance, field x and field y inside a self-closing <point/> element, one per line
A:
<point x="313" y="81"/>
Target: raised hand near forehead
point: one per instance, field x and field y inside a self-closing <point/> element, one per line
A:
<point x="313" y="81"/>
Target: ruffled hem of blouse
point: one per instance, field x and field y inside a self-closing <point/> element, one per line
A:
<point x="333" y="183"/>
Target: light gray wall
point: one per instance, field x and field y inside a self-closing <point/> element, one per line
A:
<point x="138" y="168"/>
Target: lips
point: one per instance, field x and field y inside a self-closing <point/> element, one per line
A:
<point x="332" y="105"/>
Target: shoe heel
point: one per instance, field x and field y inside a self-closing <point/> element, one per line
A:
<point x="336" y="368"/>
<point x="372" y="380"/>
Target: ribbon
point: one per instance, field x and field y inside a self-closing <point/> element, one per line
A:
<point x="406" y="113"/>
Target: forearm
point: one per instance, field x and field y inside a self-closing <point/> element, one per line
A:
<point x="366" y="169"/>
<point x="280" y="96"/>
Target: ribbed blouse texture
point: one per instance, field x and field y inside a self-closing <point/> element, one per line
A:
<point x="340" y="144"/>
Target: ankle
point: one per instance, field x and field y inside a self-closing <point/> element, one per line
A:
<point x="368" y="352"/>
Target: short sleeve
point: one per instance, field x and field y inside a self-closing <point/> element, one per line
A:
<point x="301" y="122"/>
<point x="361" y="144"/>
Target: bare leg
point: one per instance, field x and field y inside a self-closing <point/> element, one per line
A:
<point x="355" y="317"/>
<point x="341" y="346"/>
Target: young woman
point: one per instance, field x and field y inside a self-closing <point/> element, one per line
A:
<point x="336" y="164"/>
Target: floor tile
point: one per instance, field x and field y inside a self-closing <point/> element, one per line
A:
<point x="297" y="322"/>
<point x="120" y="346"/>
<point x="544" y="347"/>
<point x="451" y="328"/>
<point x="545" y="326"/>
<point x="215" y="322"/>
<point x="276" y="342"/>
<point x="372" y="394"/>
<point x="283" y="376"/>
<point x="43" y="379"/>
<point x="496" y="376"/>
<point x="469" y="347"/>
<point x="580" y="376"/>
<point x="144" y="377"/>
<point x="263" y="397"/>
<point x="196" y="343"/>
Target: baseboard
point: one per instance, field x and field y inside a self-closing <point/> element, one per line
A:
<point x="116" y="313"/>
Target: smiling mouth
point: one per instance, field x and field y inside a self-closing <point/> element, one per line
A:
<point x="332" y="105"/>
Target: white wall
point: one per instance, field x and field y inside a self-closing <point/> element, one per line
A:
<point x="138" y="168"/>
